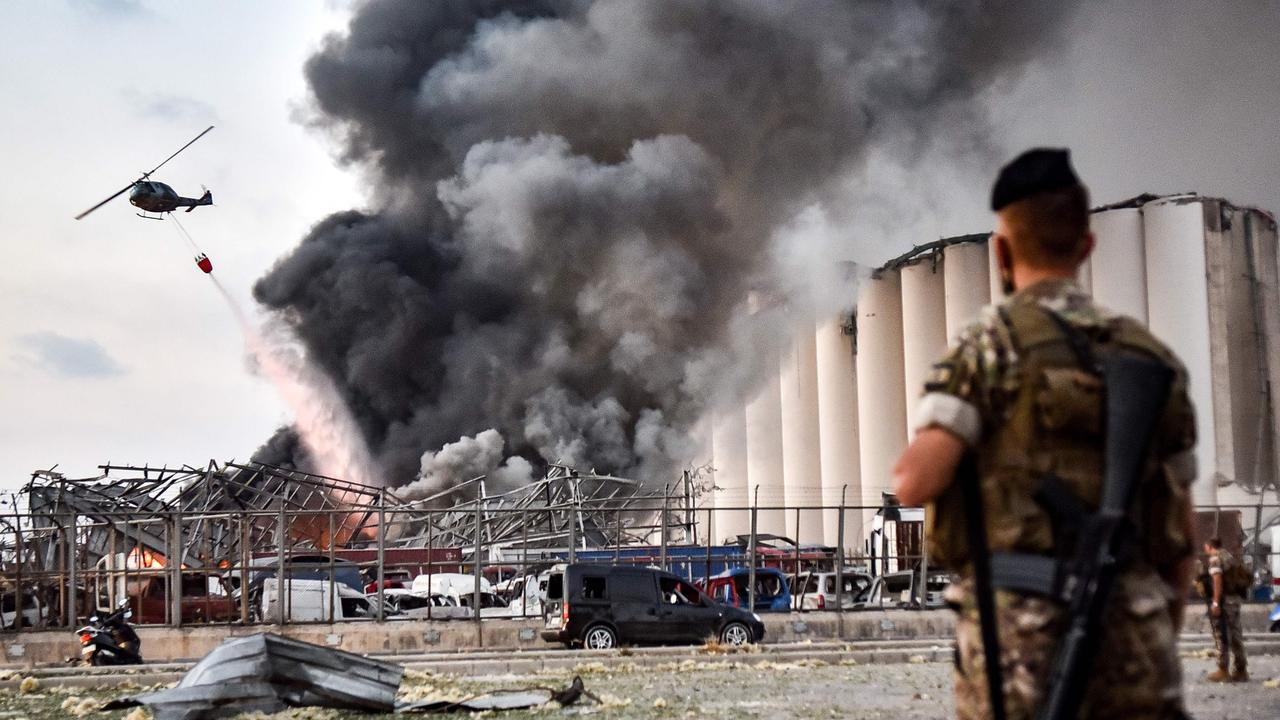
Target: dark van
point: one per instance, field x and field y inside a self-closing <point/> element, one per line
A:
<point x="600" y="606"/>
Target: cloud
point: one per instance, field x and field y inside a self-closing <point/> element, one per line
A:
<point x="67" y="357"/>
<point x="164" y="106"/>
<point x="124" y="9"/>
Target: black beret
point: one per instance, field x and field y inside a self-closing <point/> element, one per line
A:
<point x="1034" y="171"/>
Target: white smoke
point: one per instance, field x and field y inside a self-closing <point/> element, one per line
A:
<point x="465" y="459"/>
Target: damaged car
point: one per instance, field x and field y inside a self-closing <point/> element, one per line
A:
<point x="600" y="607"/>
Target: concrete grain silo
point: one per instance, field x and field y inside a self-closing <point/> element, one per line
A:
<point x="764" y="455"/>
<point x="1203" y="274"/>
<point x="882" y="399"/>
<point x="801" y="441"/>
<point x="839" y="442"/>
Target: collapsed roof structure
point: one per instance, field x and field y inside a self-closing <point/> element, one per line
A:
<point x="226" y="513"/>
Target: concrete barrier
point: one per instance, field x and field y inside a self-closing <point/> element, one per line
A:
<point x="411" y="637"/>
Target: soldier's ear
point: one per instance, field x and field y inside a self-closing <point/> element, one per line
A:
<point x="1004" y="262"/>
<point x="1004" y="251"/>
<point x="1087" y="245"/>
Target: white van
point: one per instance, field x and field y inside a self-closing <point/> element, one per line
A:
<point x="312" y="601"/>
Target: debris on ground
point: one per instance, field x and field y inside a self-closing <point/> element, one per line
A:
<point x="28" y="685"/>
<point x="80" y="707"/>
<point x="266" y="673"/>
<point x="269" y="673"/>
<point x="520" y="699"/>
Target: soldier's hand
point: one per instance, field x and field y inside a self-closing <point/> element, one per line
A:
<point x="1215" y="610"/>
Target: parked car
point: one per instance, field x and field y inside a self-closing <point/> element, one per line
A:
<point x="459" y="586"/>
<point x="601" y="606"/>
<point x="817" y="590"/>
<point x="408" y="604"/>
<point x="33" y="610"/>
<point x="313" y="601"/>
<point x="527" y="595"/>
<point x="730" y="587"/>
<point x="897" y="590"/>
<point x="119" y="579"/>
<point x="304" y="568"/>
<point x="392" y="578"/>
<point x="204" y="599"/>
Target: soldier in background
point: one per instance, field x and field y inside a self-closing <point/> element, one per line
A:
<point x="1015" y="389"/>
<point x="1224" y="591"/>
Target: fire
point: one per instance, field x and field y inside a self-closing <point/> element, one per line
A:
<point x="144" y="559"/>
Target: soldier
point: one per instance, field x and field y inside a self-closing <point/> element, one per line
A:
<point x="1017" y="390"/>
<point x="1223" y="591"/>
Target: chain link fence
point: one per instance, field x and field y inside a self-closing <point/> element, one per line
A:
<point x="288" y="566"/>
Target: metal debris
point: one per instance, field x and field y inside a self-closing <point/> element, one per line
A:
<point x="269" y="673"/>
<point x="521" y="699"/>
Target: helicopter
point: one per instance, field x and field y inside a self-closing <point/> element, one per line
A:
<point x="152" y="196"/>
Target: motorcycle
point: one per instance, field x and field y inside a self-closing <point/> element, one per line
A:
<point x="1274" y="617"/>
<point x="110" y="641"/>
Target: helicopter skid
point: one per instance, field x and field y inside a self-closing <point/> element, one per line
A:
<point x="149" y="217"/>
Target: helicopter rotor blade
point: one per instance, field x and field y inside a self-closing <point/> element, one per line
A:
<point x="104" y="202"/>
<point x="184" y="147"/>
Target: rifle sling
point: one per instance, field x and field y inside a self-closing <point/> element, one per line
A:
<point x="1027" y="573"/>
<point x="983" y="589"/>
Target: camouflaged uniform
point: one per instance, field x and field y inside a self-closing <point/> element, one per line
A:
<point x="1228" y="622"/>
<point x="972" y="393"/>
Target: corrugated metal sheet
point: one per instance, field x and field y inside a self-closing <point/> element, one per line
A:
<point x="269" y="673"/>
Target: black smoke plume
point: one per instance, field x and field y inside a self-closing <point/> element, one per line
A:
<point x="573" y="200"/>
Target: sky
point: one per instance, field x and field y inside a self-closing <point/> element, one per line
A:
<point x="114" y="347"/>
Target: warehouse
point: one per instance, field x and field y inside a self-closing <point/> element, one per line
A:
<point x="826" y="429"/>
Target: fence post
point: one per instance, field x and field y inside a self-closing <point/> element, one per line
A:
<point x="431" y="560"/>
<point x="707" y="575"/>
<point x="1259" y="560"/>
<point x="382" y="552"/>
<point x="333" y="572"/>
<point x="795" y="575"/>
<point x="244" y="568"/>
<point x="175" y="569"/>
<point x="524" y="563"/>
<point x="573" y="535"/>
<point x="924" y="568"/>
<point x="112" y="602"/>
<point x="475" y="593"/>
<point x="281" y="590"/>
<point x="840" y="552"/>
<point x="617" y="538"/>
<point x="70" y="536"/>
<point x="666" y="492"/>
<point x="19" y="561"/>
<point x="751" y="574"/>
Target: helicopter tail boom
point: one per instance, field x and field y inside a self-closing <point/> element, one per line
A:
<point x="205" y="199"/>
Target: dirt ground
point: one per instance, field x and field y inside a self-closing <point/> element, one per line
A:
<point x="802" y="689"/>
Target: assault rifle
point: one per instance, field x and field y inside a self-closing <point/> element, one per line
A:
<point x="1137" y="390"/>
<point x="976" y="526"/>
